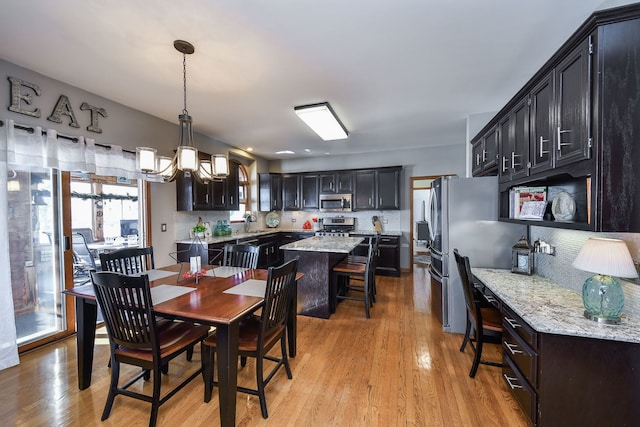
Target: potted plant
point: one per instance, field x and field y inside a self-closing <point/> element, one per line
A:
<point x="199" y="229"/>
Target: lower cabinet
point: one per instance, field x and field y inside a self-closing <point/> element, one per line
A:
<point x="388" y="254"/>
<point x="269" y="250"/>
<point x="567" y="380"/>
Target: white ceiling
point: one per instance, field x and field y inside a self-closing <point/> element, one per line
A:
<point x="399" y="73"/>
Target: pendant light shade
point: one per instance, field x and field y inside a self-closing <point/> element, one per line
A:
<point x="186" y="158"/>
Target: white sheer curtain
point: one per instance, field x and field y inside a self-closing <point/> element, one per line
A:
<point x="33" y="147"/>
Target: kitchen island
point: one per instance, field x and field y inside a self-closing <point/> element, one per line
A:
<point x="317" y="256"/>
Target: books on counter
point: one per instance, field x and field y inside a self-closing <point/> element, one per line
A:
<point x="527" y="202"/>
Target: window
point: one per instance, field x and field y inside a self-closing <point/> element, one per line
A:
<point x="243" y="182"/>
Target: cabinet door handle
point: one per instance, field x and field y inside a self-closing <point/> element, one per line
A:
<point x="513" y="348"/>
<point x="504" y="165"/>
<point x="512" y="323"/>
<point x="370" y="201"/>
<point x="560" y="143"/>
<point x="489" y="298"/>
<point x="331" y="186"/>
<point x="511" y="384"/>
<point x="380" y="201"/>
<point x="206" y="198"/>
<point x="513" y="160"/>
<point x="484" y="156"/>
<point x="477" y="159"/>
<point x="542" y="141"/>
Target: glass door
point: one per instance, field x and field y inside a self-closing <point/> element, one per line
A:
<point x="36" y="254"/>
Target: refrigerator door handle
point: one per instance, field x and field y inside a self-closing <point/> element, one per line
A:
<point x="434" y="203"/>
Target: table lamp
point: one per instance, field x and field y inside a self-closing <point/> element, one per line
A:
<point x="602" y="294"/>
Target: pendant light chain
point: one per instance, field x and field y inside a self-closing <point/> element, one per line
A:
<point x="184" y="81"/>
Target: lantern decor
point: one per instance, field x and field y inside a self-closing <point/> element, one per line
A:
<point x="522" y="257"/>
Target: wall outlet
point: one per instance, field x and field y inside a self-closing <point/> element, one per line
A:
<point x="385" y="221"/>
<point x="293" y="220"/>
<point x="163" y="227"/>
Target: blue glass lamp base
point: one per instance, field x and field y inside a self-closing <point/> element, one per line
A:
<point x="606" y="320"/>
<point x="603" y="299"/>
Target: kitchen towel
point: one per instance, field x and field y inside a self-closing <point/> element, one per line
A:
<point x="251" y="288"/>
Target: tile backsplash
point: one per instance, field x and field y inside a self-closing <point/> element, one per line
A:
<point x="568" y="243"/>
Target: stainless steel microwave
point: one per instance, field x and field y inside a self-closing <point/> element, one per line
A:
<point x="335" y="202"/>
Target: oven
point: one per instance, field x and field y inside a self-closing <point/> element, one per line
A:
<point x="338" y="226"/>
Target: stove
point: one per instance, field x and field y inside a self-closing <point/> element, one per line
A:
<point x="338" y="226"/>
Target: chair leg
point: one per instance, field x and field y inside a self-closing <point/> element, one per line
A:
<point x="476" y="358"/>
<point x="285" y="359"/>
<point x="243" y="361"/>
<point x="155" y="402"/>
<point x="189" y="353"/>
<point x="260" y="382"/>
<point x="208" y="366"/>
<point x="366" y="299"/>
<point x="466" y="335"/>
<point x="115" y="375"/>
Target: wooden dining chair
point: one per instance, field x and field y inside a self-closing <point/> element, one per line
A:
<point x="258" y="334"/>
<point x="128" y="260"/>
<point x="342" y="283"/>
<point x="135" y="339"/>
<point x="484" y="322"/>
<point x="375" y="239"/>
<point x="240" y="255"/>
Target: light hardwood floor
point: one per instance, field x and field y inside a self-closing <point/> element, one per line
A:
<point x="396" y="369"/>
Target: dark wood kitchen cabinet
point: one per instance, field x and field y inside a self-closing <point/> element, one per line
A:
<point x="291" y="192"/>
<point x="484" y="153"/>
<point x="336" y="182"/>
<point x="270" y="192"/>
<point x="559" y="380"/>
<point x="364" y="195"/>
<point x="388" y="254"/>
<point x="388" y="186"/>
<point x="225" y="194"/>
<point x="514" y="142"/>
<point x="309" y="193"/>
<point x="541" y="125"/>
<point x="193" y="195"/>
<point x="584" y="124"/>
<point x="377" y="189"/>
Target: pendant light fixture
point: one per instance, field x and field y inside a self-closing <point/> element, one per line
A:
<point x="186" y="158"/>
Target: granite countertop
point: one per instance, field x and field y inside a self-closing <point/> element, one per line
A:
<point x="238" y="236"/>
<point x="550" y="308"/>
<point x="324" y="244"/>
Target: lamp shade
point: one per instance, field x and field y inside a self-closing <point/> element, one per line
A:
<point x="146" y="159"/>
<point x="604" y="256"/>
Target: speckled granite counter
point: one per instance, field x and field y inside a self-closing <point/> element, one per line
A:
<point x="550" y="308"/>
<point x="341" y="245"/>
<point x="316" y="258"/>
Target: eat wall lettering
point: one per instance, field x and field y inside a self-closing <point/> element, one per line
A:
<point x="20" y="96"/>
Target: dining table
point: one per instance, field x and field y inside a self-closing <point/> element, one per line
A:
<point x="210" y="299"/>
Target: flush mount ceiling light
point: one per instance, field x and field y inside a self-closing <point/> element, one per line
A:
<point x="322" y="120"/>
<point x="186" y="158"/>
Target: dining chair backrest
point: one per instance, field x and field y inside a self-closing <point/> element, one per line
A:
<point x="81" y="251"/>
<point x="278" y="294"/>
<point x="464" y="269"/>
<point x="125" y="302"/>
<point x="241" y="256"/>
<point x="128" y="260"/>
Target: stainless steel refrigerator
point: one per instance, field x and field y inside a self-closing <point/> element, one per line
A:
<point x="464" y="216"/>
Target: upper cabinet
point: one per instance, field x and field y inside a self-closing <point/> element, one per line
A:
<point x="377" y="189"/>
<point x="336" y="182"/>
<point x="484" y="153"/>
<point x="270" y="192"/>
<point x="574" y="128"/>
<point x="192" y="195"/>
<point x="372" y="189"/>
